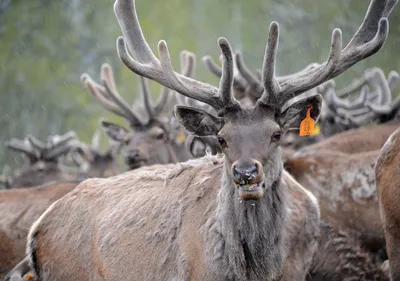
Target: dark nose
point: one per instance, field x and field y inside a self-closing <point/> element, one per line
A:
<point x="133" y="158"/>
<point x="246" y="173"/>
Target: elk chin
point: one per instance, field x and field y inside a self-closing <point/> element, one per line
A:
<point x="252" y="191"/>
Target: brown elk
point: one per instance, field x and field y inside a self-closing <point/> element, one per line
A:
<point x="92" y="162"/>
<point x="237" y="216"/>
<point x="19" y="208"/>
<point x="340" y="259"/>
<point x="154" y="137"/>
<point x="42" y="165"/>
<point x="387" y="183"/>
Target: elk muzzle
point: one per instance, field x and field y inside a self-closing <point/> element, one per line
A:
<point x="249" y="178"/>
<point x="133" y="159"/>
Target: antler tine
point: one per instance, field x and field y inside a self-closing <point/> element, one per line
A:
<point x="63" y="140"/>
<point x="271" y="85"/>
<point x="212" y="66"/>
<point x="145" y="63"/>
<point x="368" y="39"/>
<point x="99" y="92"/>
<point x="96" y="140"/>
<point x="250" y="78"/>
<point x="226" y="82"/>
<point x="238" y="80"/>
<point x="122" y="104"/>
<point x="145" y="90"/>
<point x="106" y="74"/>
<point x="22" y="146"/>
<point x="393" y="80"/>
<point x="378" y="79"/>
<point x="36" y="144"/>
<point x="188" y="63"/>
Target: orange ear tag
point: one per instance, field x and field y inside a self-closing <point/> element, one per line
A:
<point x="307" y="125"/>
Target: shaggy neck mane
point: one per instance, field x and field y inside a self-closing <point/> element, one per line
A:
<point x="247" y="237"/>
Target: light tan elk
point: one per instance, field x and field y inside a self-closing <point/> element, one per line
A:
<point x="42" y="165"/>
<point x="388" y="183"/>
<point x="94" y="163"/>
<point x="154" y="137"/>
<point x="238" y="216"/>
<point x="19" y="208"/>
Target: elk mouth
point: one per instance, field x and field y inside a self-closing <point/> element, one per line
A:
<point x="253" y="190"/>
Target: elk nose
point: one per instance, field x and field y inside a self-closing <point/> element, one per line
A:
<point x="133" y="157"/>
<point x="245" y="173"/>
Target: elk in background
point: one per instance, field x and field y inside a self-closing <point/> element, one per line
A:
<point x="388" y="183"/>
<point x="239" y="216"/>
<point x="94" y="163"/>
<point x="43" y="159"/>
<point x="154" y="137"/>
<point x="19" y="209"/>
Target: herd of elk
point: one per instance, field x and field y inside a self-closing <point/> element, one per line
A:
<point x="262" y="204"/>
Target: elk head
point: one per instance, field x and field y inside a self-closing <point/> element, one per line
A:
<point x="152" y="137"/>
<point x="91" y="161"/>
<point x="249" y="137"/>
<point x="42" y="165"/>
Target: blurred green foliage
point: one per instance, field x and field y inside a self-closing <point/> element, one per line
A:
<point x="46" y="45"/>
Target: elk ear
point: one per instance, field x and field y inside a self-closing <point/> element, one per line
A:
<point x="114" y="131"/>
<point x="197" y="121"/>
<point x="295" y="111"/>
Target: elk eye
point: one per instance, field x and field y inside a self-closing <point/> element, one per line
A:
<point x="221" y="141"/>
<point x="159" y="136"/>
<point x="277" y="136"/>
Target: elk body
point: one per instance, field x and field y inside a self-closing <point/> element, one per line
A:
<point x="43" y="160"/>
<point x="345" y="187"/>
<point x="19" y="208"/>
<point x="388" y="182"/>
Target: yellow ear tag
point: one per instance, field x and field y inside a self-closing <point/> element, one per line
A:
<point x="181" y="137"/>
<point x="317" y="130"/>
<point x="307" y="125"/>
<point x="29" y="276"/>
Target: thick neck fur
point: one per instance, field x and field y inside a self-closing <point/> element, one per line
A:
<point x="247" y="237"/>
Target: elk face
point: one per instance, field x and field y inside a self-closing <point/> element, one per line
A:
<point x="250" y="140"/>
<point x="144" y="145"/>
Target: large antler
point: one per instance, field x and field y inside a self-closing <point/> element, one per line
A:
<point x="368" y="39"/>
<point x="146" y="64"/>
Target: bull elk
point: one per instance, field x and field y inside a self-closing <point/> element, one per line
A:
<point x="236" y="216"/>
<point x="154" y="136"/>
<point x="388" y="182"/>
<point x="42" y="165"/>
<point x="91" y="161"/>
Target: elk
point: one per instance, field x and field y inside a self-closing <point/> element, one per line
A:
<point x="92" y="162"/>
<point x="19" y="208"/>
<point x="387" y="183"/>
<point x="154" y="136"/>
<point x="235" y="216"/>
<point x="42" y="165"/>
<point x="339" y="259"/>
